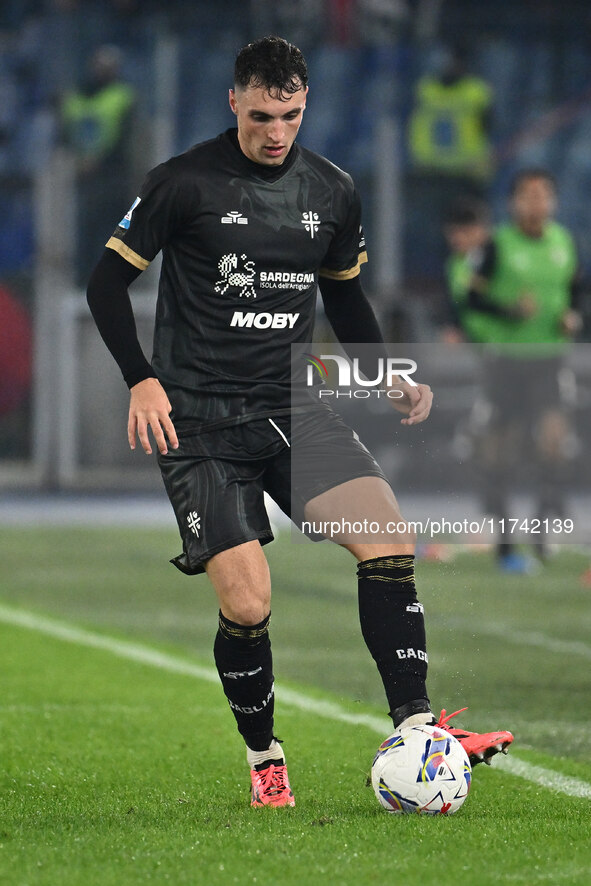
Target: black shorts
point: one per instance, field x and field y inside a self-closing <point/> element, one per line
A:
<point x="215" y="480"/>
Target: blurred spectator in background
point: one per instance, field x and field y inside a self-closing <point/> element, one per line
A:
<point x="97" y="124"/>
<point x="450" y="123"/>
<point x="467" y="229"/>
<point x="381" y="22"/>
<point x="525" y="290"/>
<point x="450" y="153"/>
<point x="341" y="21"/>
<point x="15" y="352"/>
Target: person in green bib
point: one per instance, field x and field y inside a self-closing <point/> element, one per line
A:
<point x="467" y="230"/>
<point x="522" y="300"/>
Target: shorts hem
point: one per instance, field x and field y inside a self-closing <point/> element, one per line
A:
<point x="332" y="484"/>
<point x="183" y="564"/>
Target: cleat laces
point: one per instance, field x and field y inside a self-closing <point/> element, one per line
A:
<point x="480" y="747"/>
<point x="270" y="785"/>
<point x="274" y="780"/>
<point x="444" y="717"/>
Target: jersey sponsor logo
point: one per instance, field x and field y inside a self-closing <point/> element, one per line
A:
<point x="126" y="220"/>
<point x="263" y="320"/>
<point x="194" y="521"/>
<point x="234" y="218"/>
<point x="237" y="274"/>
<point x="276" y="279"/>
<point x="311" y="222"/>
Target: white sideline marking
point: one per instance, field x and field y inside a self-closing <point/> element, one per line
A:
<point x="133" y="651"/>
<point x="547" y="778"/>
<point x="524" y="638"/>
<point x="536" y="638"/>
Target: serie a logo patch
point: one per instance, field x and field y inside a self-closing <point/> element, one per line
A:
<point x="126" y="220"/>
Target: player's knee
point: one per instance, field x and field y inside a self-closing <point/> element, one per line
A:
<point x="245" y="606"/>
<point x="245" y="614"/>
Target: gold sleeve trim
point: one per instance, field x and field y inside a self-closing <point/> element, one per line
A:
<point x="345" y="275"/>
<point x="128" y="254"/>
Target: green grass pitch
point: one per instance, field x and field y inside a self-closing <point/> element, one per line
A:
<point x="116" y="772"/>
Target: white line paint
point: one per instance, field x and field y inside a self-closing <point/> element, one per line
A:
<point x="541" y="641"/>
<point x="523" y="638"/>
<point x="141" y="654"/>
<point x="547" y="778"/>
<point x="123" y="648"/>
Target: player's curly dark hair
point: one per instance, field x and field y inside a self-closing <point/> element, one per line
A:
<point x="273" y="63"/>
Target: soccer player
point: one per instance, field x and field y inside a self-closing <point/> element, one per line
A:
<point x="248" y="224"/>
<point x="525" y="292"/>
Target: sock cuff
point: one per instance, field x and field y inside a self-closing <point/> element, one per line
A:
<point x="397" y="567"/>
<point x="234" y="631"/>
<point x="272" y="750"/>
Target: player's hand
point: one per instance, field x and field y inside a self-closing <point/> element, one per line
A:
<point x="451" y="335"/>
<point x="415" y="402"/>
<point x="149" y="407"/>
<point x="571" y="322"/>
<point x="526" y="306"/>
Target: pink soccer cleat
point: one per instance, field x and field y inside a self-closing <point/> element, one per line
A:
<point x="270" y="785"/>
<point x="480" y="746"/>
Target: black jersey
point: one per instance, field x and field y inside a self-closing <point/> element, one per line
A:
<point x="243" y="245"/>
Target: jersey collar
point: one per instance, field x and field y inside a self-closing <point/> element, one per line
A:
<point x="267" y="173"/>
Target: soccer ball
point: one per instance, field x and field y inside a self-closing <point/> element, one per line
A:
<point x="421" y="769"/>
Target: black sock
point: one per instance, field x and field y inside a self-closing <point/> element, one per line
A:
<point x="393" y="627"/>
<point x="243" y="659"/>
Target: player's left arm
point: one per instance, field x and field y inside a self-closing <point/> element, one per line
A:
<point x="353" y="320"/>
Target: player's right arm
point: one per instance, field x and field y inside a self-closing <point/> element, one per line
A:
<point x="151" y="222"/>
<point x="110" y="305"/>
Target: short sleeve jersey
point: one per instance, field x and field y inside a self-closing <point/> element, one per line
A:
<point x="242" y="245"/>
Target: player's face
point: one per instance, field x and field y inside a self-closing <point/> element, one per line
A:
<point x="463" y="239"/>
<point x="267" y="124"/>
<point x="533" y="204"/>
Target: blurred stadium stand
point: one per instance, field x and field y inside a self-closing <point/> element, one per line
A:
<point x="364" y="58"/>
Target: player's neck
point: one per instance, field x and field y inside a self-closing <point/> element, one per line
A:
<point x="534" y="231"/>
<point x="263" y="170"/>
